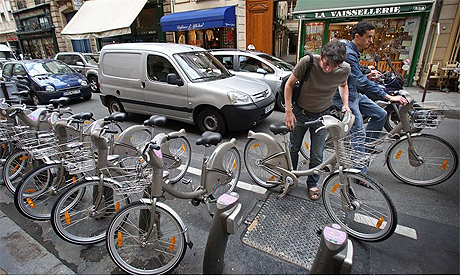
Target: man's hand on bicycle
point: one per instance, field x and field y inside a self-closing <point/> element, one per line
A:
<point x="397" y="99"/>
<point x="290" y="119"/>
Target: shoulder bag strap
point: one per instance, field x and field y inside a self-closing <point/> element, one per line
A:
<point x="307" y="73"/>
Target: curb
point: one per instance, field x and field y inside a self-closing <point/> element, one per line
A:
<point x="21" y="254"/>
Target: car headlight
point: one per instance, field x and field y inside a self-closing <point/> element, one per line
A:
<point x="239" y="98"/>
<point x="84" y="83"/>
<point x="50" y="88"/>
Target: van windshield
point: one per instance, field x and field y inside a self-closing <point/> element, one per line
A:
<point x="201" y="66"/>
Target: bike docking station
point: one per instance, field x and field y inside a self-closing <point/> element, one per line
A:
<point x="335" y="252"/>
<point x="226" y="221"/>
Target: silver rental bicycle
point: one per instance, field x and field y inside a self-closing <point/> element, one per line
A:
<point x="355" y="201"/>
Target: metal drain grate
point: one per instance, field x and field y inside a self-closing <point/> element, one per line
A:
<point x="287" y="228"/>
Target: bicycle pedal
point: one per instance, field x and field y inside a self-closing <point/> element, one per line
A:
<point x="186" y="181"/>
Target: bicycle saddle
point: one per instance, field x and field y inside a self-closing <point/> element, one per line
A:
<point x="209" y="138"/>
<point x="156" y="120"/>
<point x="116" y="116"/>
<point x="23" y="93"/>
<point x="83" y="116"/>
<point x="279" y="128"/>
<point x="60" y="102"/>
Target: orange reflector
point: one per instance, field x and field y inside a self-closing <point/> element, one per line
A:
<point x="173" y="243"/>
<point x="87" y="122"/>
<point x="30" y="202"/>
<point x="25" y="157"/>
<point x="31" y="190"/>
<point x="271" y="178"/>
<point x="15" y="168"/>
<point x="379" y="223"/>
<point x="256" y="145"/>
<point x="74" y="179"/>
<point x="3" y="145"/>
<point x="444" y="165"/>
<point x="142" y="160"/>
<point x="234" y="164"/>
<point x="117" y="207"/>
<point x="336" y="186"/>
<point x="306" y="145"/>
<point x="67" y="217"/>
<point x="398" y="154"/>
<point x="119" y="239"/>
<point x="184" y="148"/>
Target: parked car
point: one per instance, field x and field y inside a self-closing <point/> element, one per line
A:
<point x="256" y="65"/>
<point x="84" y="63"/>
<point x="46" y="79"/>
<point x="182" y="82"/>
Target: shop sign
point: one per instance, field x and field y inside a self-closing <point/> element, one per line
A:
<point x="363" y="12"/>
<point x="193" y="26"/>
<point x="203" y="25"/>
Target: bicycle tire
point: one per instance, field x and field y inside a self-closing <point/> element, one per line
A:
<point x="306" y="143"/>
<point x="178" y="162"/>
<point x="440" y="160"/>
<point x="35" y="196"/>
<point x="16" y="166"/>
<point x="145" y="257"/>
<point x="231" y="161"/>
<point x="6" y="149"/>
<point x="255" y="151"/>
<point x="374" y="207"/>
<point x="81" y="222"/>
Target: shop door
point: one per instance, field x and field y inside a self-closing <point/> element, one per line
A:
<point x="258" y="32"/>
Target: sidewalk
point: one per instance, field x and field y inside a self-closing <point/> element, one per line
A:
<point x="451" y="99"/>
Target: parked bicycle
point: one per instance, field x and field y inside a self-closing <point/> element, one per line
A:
<point x="355" y="201"/>
<point x="414" y="158"/>
<point x="147" y="236"/>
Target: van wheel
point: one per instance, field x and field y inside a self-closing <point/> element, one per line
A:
<point x="35" y="99"/>
<point x="93" y="84"/>
<point x="210" y="119"/>
<point x="114" y="105"/>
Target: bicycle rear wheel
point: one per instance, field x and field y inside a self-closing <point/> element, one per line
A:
<point x="134" y="252"/>
<point x="177" y="159"/>
<point x="35" y="196"/>
<point x="76" y="219"/>
<point x="16" y="166"/>
<point x="439" y="160"/>
<point x="371" y="216"/>
<point x="255" y="152"/>
<point x="231" y="162"/>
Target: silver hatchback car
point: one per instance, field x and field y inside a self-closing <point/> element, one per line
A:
<point x="256" y="65"/>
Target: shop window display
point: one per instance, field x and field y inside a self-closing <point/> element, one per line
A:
<point x="314" y="32"/>
<point x="207" y="38"/>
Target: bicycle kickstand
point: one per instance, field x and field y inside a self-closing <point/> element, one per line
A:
<point x="286" y="186"/>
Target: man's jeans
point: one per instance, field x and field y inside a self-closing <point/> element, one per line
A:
<point x="360" y="106"/>
<point x="316" y="144"/>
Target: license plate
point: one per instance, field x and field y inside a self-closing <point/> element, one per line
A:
<point x="68" y="93"/>
<point x="269" y="108"/>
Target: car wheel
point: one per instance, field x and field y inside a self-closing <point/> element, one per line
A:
<point x="280" y="102"/>
<point x="35" y="99"/>
<point x="93" y="84"/>
<point x="210" y="119"/>
<point x="114" y="105"/>
<point x="87" y="97"/>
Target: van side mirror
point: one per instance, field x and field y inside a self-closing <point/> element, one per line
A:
<point x="173" y="79"/>
<point x="79" y="63"/>
<point x="262" y="71"/>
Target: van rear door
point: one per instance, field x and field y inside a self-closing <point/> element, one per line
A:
<point x="163" y="98"/>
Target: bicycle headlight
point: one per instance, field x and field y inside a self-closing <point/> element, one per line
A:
<point x="239" y="98"/>
<point x="50" y="88"/>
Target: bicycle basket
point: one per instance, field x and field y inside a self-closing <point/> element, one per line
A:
<point x="129" y="180"/>
<point x="429" y="114"/>
<point x="357" y="150"/>
<point x="78" y="157"/>
<point x="39" y="144"/>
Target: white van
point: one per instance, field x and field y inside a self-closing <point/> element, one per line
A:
<point x="184" y="83"/>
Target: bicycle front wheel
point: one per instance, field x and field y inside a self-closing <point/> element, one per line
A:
<point x="177" y="159"/>
<point x="231" y="162"/>
<point x="16" y="166"/>
<point x="134" y="251"/>
<point x="365" y="210"/>
<point x="437" y="160"/>
<point x="35" y="196"/>
<point x="84" y="219"/>
<point x="255" y="152"/>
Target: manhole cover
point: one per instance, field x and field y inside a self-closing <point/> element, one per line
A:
<point x="287" y="228"/>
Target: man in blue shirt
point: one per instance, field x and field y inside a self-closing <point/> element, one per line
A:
<point x="362" y="37"/>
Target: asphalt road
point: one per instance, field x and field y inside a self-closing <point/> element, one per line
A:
<point x="427" y="241"/>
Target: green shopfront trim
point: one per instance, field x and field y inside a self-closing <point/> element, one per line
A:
<point x="327" y="12"/>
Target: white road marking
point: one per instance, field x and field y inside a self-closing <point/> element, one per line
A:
<point x="401" y="230"/>
<point x="242" y="185"/>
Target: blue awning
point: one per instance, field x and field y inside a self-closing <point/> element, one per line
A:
<point x="201" y="19"/>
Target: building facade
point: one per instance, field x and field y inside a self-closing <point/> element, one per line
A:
<point x="8" y="27"/>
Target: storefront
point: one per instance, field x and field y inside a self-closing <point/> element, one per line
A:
<point x="400" y="28"/>
<point x="210" y="28"/>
